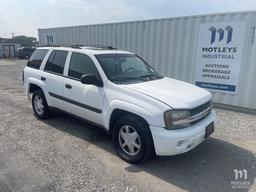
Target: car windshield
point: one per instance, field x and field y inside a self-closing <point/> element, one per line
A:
<point x="126" y="67"/>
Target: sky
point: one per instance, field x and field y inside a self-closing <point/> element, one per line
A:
<point x="24" y="17"/>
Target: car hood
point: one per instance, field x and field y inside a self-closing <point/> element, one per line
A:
<point x="174" y="93"/>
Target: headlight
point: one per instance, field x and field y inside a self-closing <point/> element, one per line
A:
<point x="176" y="119"/>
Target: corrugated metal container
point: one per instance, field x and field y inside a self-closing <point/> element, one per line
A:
<point x="170" y="46"/>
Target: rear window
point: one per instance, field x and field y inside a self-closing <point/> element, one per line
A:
<point x="37" y="58"/>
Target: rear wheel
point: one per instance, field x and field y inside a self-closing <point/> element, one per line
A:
<point x="132" y="139"/>
<point x="39" y="104"/>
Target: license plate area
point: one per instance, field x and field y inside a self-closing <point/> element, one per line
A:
<point x="209" y="129"/>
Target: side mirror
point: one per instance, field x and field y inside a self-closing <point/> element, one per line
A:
<point x="91" y="80"/>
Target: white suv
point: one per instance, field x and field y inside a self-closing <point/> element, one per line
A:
<point x="145" y="113"/>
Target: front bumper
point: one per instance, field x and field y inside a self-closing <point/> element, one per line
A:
<point x="173" y="142"/>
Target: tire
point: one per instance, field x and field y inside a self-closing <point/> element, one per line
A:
<point x="41" y="110"/>
<point x="144" y="148"/>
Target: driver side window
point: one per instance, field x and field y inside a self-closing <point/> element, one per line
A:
<point x="81" y="64"/>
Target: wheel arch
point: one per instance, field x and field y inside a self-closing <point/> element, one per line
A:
<point x="32" y="87"/>
<point x="116" y="108"/>
<point x="34" y="84"/>
<point x="117" y="113"/>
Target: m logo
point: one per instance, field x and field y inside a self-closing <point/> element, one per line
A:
<point x="240" y="174"/>
<point x="49" y="39"/>
<point x="221" y="33"/>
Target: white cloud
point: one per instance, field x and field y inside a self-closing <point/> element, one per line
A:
<point x="231" y="5"/>
<point x="245" y="4"/>
<point x="67" y="3"/>
<point x="42" y="15"/>
<point x="100" y="10"/>
<point x="25" y="17"/>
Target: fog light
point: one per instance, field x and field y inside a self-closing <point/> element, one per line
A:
<point x="181" y="143"/>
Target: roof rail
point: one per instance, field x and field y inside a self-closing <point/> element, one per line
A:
<point x="49" y="45"/>
<point x="74" y="47"/>
<point x="89" y="46"/>
<point x="95" y="46"/>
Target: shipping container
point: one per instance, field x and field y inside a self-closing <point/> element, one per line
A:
<point x="215" y="51"/>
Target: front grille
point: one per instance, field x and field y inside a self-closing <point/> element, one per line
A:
<point x="200" y="108"/>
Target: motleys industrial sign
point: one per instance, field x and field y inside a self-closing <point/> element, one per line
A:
<point x="219" y="55"/>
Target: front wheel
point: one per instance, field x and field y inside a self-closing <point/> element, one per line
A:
<point x="132" y="139"/>
<point x="39" y="104"/>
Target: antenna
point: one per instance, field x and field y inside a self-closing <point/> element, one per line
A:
<point x="116" y="37"/>
<point x="116" y="46"/>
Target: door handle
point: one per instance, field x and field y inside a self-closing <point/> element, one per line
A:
<point x="68" y="86"/>
<point x="43" y="78"/>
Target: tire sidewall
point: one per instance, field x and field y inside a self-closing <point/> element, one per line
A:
<point x="141" y="129"/>
<point x="45" y="113"/>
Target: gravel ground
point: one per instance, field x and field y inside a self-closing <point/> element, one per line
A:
<point x="65" y="154"/>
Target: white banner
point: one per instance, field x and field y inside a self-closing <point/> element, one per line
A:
<point x="219" y="55"/>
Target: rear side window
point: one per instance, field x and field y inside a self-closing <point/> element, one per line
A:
<point x="81" y="64"/>
<point x="28" y="49"/>
<point x="37" y="58"/>
<point x="56" y="62"/>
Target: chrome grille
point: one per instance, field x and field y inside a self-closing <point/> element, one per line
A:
<point x="201" y="111"/>
<point x="200" y="108"/>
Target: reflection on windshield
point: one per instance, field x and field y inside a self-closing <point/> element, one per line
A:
<point x="125" y="67"/>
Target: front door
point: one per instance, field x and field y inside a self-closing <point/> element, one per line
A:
<point x="82" y="100"/>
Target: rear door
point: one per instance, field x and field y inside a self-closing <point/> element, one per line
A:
<point x="53" y="78"/>
<point x="32" y="70"/>
<point x="83" y="100"/>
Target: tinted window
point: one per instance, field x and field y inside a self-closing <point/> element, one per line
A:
<point x="126" y="67"/>
<point x="81" y="64"/>
<point x="28" y="49"/>
<point x="37" y="58"/>
<point x="56" y="62"/>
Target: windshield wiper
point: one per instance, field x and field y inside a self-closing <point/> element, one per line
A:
<point x="124" y="78"/>
<point x="149" y="75"/>
<point x="142" y="77"/>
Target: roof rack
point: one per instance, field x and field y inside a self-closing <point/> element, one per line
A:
<point x="49" y="45"/>
<point x="95" y="46"/>
<point x="87" y="46"/>
<point x="74" y="47"/>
